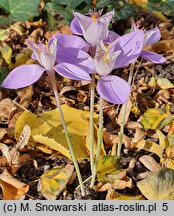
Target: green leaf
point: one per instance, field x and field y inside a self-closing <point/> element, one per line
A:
<point x="52" y="9"/>
<point x="108" y="165"/>
<point x="102" y="3"/>
<point x="54" y="181"/>
<point x="156" y="118"/>
<point x="125" y="12"/>
<point x="71" y="3"/>
<point x="158" y="185"/>
<point x="3" y="74"/>
<point x="4" y="21"/>
<point x="3" y="34"/>
<point x="6" y="52"/>
<point x="20" y="9"/>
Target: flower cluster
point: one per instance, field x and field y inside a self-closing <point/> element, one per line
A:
<point x="100" y="53"/>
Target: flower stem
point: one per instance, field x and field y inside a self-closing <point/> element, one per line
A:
<point x="123" y="112"/>
<point x="99" y="141"/>
<point x="91" y="124"/>
<point x="70" y="145"/>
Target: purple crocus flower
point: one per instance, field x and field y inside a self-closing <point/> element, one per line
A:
<point x="26" y="75"/>
<point x="150" y="37"/>
<point x="94" y="27"/>
<point x="106" y="57"/>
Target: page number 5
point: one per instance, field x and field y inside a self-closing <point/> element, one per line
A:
<point x="165" y="207"/>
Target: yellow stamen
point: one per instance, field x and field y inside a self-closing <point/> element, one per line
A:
<point x="47" y="47"/>
<point x="94" y="18"/>
<point x="106" y="57"/>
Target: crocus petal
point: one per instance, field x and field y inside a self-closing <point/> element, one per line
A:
<point x="75" y="27"/>
<point x="152" y="57"/>
<point x="101" y="67"/>
<point x="71" y="71"/>
<point x="130" y="45"/>
<point x="47" y="60"/>
<point x="53" y="46"/>
<point x="67" y="41"/>
<point x="36" y="52"/>
<point x="23" y="76"/>
<point x="77" y="57"/>
<point x="112" y="36"/>
<point x="151" y="36"/>
<point x="97" y="30"/>
<point x="84" y="21"/>
<point x="106" y="18"/>
<point x="113" y="89"/>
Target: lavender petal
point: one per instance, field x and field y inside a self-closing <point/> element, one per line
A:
<point x="75" y="27"/>
<point x="112" y="36"/>
<point x="77" y="57"/>
<point x="97" y="30"/>
<point x="130" y="45"/>
<point x="152" y="57"/>
<point x="69" y="41"/>
<point x="71" y="71"/>
<point x="151" y="36"/>
<point x="113" y="89"/>
<point x="23" y="76"/>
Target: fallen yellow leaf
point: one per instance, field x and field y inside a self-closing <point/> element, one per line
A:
<point x="11" y="187"/>
<point x="47" y="129"/>
<point x="54" y="181"/>
<point x="108" y="169"/>
<point x="158" y="185"/>
<point x="156" y="118"/>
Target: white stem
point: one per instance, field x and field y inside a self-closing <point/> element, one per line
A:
<point x="70" y="145"/>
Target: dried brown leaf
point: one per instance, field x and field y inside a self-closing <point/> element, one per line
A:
<point x="82" y="96"/>
<point x="128" y="110"/>
<point x="7" y="108"/>
<point x="25" y="95"/>
<point x="166" y="46"/>
<point x="109" y="139"/>
<point x="133" y="125"/>
<point x="66" y="89"/>
<point x="122" y="184"/>
<point x="139" y="135"/>
<point x="3" y="132"/>
<point x="143" y="175"/>
<point x="11" y="187"/>
<point x="149" y="162"/>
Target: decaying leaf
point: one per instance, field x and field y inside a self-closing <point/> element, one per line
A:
<point x="54" y="181"/>
<point x="25" y="96"/>
<point x="52" y="144"/>
<point x="149" y="162"/>
<point x="6" y="52"/>
<point x="151" y="146"/>
<point x="156" y="118"/>
<point x="7" y="108"/>
<point x="166" y="46"/>
<point x="139" y="135"/>
<point x="114" y="195"/>
<point x="48" y="126"/>
<point x="11" y="187"/>
<point x="109" y="169"/>
<point x="170" y="139"/>
<point x="171" y="128"/>
<point x="158" y="185"/>
<point x="109" y="139"/>
<point x="122" y="184"/>
<point x="13" y="159"/>
<point x="160" y="83"/>
<point x="168" y="159"/>
<point x="3" y="132"/>
<point x="128" y="107"/>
